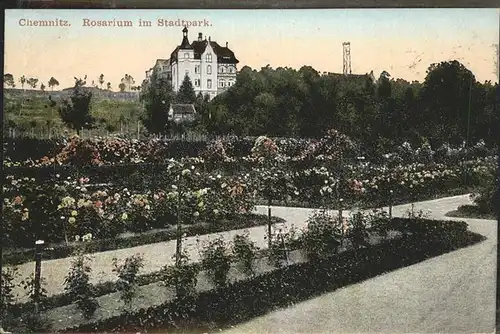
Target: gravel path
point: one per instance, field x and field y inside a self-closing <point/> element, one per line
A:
<point x="451" y="293"/>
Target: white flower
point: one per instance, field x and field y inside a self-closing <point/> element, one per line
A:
<point x="77" y="238"/>
<point x="196" y="214"/>
<point x="174" y="187"/>
<point x="216" y="211"/>
<point x="218" y="176"/>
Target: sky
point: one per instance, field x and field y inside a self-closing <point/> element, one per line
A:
<point x="404" y="42"/>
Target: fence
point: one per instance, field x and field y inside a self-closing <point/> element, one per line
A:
<point x="129" y="131"/>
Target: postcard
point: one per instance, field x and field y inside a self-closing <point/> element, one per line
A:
<point x="250" y="171"/>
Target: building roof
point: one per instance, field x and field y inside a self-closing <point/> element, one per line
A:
<point x="224" y="54"/>
<point x="162" y="61"/>
<point x="183" y="109"/>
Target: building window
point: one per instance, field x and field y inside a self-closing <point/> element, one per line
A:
<point x="197" y="69"/>
<point x="186" y="55"/>
<point x="222" y="70"/>
<point x="197" y="82"/>
<point x="221" y="83"/>
<point x="230" y="70"/>
<point x="209" y="84"/>
<point x="209" y="69"/>
<point x="209" y="57"/>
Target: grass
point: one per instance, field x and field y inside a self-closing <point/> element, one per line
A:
<point x="34" y="114"/>
<point x="471" y="211"/>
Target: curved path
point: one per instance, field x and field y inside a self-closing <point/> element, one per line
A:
<point x="454" y="292"/>
<point x="451" y="293"/>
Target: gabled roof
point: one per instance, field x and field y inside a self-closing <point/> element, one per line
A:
<point x="162" y="62"/>
<point x="224" y="54"/>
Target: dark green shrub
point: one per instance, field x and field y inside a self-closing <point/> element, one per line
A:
<point x="77" y="284"/>
<point x="357" y="233"/>
<point x="216" y="261"/>
<point x="244" y="250"/>
<point x="322" y="237"/>
<point x="127" y="277"/>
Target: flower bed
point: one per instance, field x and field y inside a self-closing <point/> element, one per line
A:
<point x="246" y="296"/>
<point x="56" y="211"/>
<point x="60" y="210"/>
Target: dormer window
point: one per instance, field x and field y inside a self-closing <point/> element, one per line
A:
<point x="209" y="58"/>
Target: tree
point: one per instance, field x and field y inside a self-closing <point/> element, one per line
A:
<point x="122" y="87"/>
<point x="384" y="86"/>
<point x="75" y="112"/>
<point x="8" y="80"/>
<point x="42" y="87"/>
<point x="108" y="86"/>
<point x="33" y="82"/>
<point x="53" y="82"/>
<point x="186" y="92"/>
<point x="156" y="97"/>
<point x="445" y="98"/>
<point x="128" y="81"/>
<point x="101" y="80"/>
<point x="22" y="80"/>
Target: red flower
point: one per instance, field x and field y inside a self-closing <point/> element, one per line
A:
<point x="98" y="204"/>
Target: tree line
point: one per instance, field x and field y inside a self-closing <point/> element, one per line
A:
<point x="450" y="106"/>
<point x="126" y="83"/>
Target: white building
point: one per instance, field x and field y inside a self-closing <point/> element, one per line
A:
<point x="211" y="67"/>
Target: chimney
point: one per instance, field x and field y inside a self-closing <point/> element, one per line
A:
<point x="209" y="38"/>
<point x="200" y="37"/>
<point x="226" y="44"/>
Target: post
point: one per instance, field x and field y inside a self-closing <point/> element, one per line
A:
<point x="138" y="130"/>
<point x="341" y="222"/>
<point x="283" y="247"/>
<point x="468" y="132"/>
<point x="269" y="222"/>
<point x="340" y="210"/>
<point x="178" y="248"/>
<point x="38" y="271"/>
<point x="390" y="203"/>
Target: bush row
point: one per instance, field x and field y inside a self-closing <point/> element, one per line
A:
<point x="232" y="303"/>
